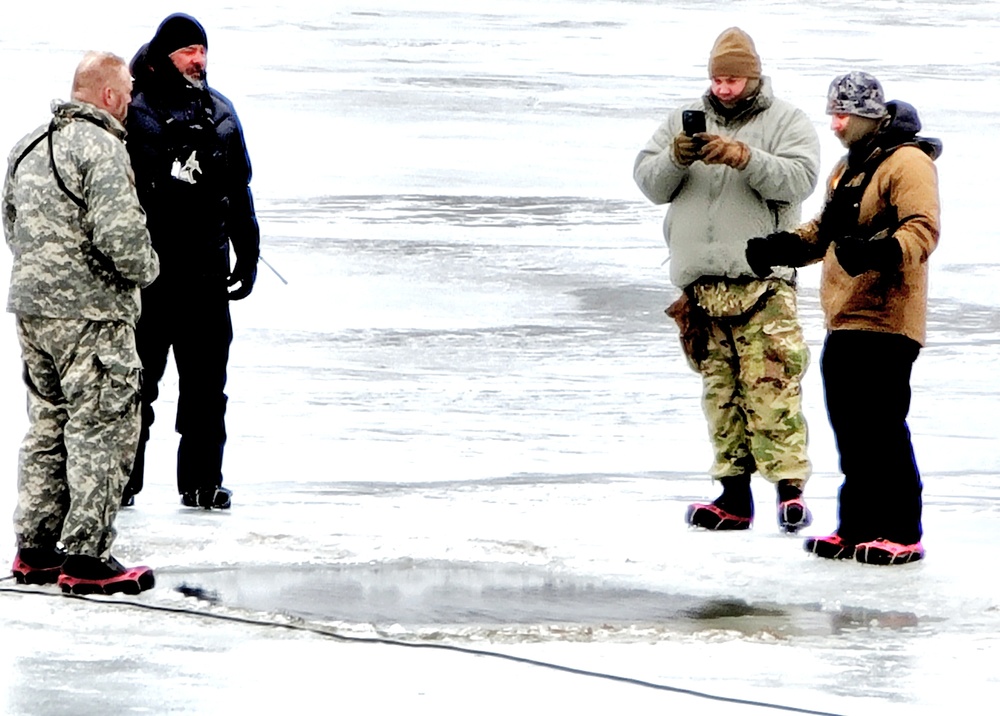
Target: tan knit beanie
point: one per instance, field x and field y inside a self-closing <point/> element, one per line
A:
<point x="734" y="55"/>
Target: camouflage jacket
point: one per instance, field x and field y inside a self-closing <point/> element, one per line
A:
<point x="73" y="222"/>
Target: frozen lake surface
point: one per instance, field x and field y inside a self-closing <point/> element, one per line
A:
<point x="465" y="423"/>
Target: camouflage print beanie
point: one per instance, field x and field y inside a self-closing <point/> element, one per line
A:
<point x="857" y="93"/>
<point x="734" y="55"/>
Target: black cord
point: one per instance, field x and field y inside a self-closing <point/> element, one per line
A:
<point x="329" y="633"/>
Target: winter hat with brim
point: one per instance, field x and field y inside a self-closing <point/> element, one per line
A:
<point x="177" y="31"/>
<point x="734" y="55"/>
<point x="857" y="93"/>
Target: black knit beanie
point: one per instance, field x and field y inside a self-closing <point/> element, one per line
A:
<point x="177" y="31"/>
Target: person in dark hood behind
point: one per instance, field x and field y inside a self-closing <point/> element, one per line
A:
<point x="193" y="180"/>
<point x="875" y="234"/>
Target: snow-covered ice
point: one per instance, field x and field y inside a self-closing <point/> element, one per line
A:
<point x="464" y="425"/>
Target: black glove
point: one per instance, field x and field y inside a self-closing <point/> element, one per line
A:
<point x="780" y="249"/>
<point x="244" y="274"/>
<point x="859" y="255"/>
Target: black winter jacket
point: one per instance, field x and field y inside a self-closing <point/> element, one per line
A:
<point x="192" y="173"/>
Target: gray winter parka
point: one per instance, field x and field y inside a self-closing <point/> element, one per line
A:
<point x="715" y="209"/>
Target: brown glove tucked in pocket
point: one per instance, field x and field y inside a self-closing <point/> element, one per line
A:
<point x="693" y="327"/>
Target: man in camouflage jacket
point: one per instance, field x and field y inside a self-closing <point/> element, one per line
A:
<point x="81" y="252"/>
<point x="747" y="174"/>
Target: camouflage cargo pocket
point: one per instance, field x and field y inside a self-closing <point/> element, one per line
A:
<point x="781" y="348"/>
<point x="119" y="370"/>
<point x="119" y="389"/>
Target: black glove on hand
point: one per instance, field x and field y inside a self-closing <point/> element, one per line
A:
<point x="244" y="274"/>
<point x="781" y="249"/>
<point x="857" y="256"/>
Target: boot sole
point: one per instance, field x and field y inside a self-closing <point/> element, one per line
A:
<point x="37" y="577"/>
<point x="81" y="587"/>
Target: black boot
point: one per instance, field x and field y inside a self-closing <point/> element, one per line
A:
<point x="82" y="574"/>
<point x="213" y="498"/>
<point x="38" y="565"/>
<point x="732" y="510"/>
<point x="793" y="515"/>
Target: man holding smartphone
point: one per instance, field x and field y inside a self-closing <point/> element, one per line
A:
<point x="747" y="169"/>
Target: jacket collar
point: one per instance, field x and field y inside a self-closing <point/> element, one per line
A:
<point x="65" y="112"/>
<point x="744" y="109"/>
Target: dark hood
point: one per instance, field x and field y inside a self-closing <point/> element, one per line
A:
<point x="898" y="129"/>
<point x="904" y="123"/>
<point x="903" y="119"/>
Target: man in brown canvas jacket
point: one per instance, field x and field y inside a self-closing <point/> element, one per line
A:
<point x="874" y="236"/>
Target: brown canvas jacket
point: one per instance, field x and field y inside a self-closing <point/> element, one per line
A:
<point x="903" y="187"/>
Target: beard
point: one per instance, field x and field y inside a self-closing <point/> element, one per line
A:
<point x="196" y="77"/>
<point x="857" y="129"/>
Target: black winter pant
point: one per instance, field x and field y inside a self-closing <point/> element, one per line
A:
<point x="866" y="377"/>
<point x="195" y="322"/>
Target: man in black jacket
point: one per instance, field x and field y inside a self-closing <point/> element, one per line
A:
<point x="193" y="179"/>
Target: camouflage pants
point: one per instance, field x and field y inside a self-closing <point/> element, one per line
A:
<point x="751" y="387"/>
<point x="83" y="410"/>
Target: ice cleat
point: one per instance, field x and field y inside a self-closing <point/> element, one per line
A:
<point x="36" y="565"/>
<point x="793" y="515"/>
<point x="832" y="547"/>
<point x="712" y="517"/>
<point x="884" y="552"/>
<point x="90" y="575"/>
<point x="213" y="498"/>
<point x="732" y="510"/>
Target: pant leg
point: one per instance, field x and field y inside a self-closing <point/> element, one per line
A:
<point x="866" y="377"/>
<point x="201" y="351"/>
<point x="99" y="378"/>
<point x="773" y="356"/>
<point x="42" y="492"/>
<point x="153" y="336"/>
<point x="722" y="402"/>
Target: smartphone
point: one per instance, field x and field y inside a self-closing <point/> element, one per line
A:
<point x="693" y="121"/>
